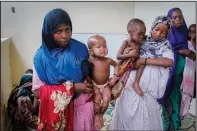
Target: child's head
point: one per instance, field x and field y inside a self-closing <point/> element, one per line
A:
<point x="136" y="30"/>
<point x="192" y="32"/>
<point x="160" y="28"/>
<point x="97" y="46"/>
<point x="29" y="71"/>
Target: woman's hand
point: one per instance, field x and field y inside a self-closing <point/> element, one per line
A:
<point x="189" y="53"/>
<point x="139" y="62"/>
<point x="192" y="56"/>
<point x="186" y="52"/>
<point x="83" y="87"/>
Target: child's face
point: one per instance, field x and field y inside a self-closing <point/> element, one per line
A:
<point x="159" y="32"/>
<point x="138" y="33"/>
<point x="99" y="48"/>
<point x="192" y="33"/>
<point x="62" y="35"/>
<point x="177" y="18"/>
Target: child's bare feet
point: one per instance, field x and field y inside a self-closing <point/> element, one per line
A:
<point x="137" y="88"/>
<point x="97" y="121"/>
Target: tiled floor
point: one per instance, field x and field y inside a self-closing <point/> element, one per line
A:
<point x="189" y="124"/>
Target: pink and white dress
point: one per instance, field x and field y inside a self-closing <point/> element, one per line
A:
<point x="188" y="84"/>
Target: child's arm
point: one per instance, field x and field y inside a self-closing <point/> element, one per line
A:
<point x="33" y="107"/>
<point x="187" y="52"/>
<point x="121" y="56"/>
<point x="116" y="69"/>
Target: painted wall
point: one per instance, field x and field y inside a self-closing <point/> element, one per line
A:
<point x="24" y="26"/>
<point x="6" y="83"/>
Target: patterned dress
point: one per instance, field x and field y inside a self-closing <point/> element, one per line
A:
<point x="133" y="112"/>
<point x="18" y="109"/>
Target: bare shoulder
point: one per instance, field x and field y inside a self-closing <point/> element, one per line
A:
<point x="91" y="59"/>
<point x="109" y="60"/>
<point x="125" y="42"/>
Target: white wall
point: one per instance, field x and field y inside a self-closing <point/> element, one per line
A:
<point x="25" y="25"/>
<point x="148" y="11"/>
<point x="6" y="83"/>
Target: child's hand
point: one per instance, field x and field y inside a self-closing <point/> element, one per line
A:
<point x="112" y="81"/>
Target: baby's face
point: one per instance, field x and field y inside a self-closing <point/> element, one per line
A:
<point x="100" y="48"/>
<point x="137" y="33"/>
<point x="159" y="32"/>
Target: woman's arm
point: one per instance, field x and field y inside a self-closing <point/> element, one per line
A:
<point x="36" y="84"/>
<point x="164" y="62"/>
<point x="83" y="87"/>
<point x="185" y="52"/>
<point x="188" y="53"/>
<point x="78" y="87"/>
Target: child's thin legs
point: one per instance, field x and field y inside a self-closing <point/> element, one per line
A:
<point x="106" y="99"/>
<point x="135" y="84"/>
<point x="97" y="107"/>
